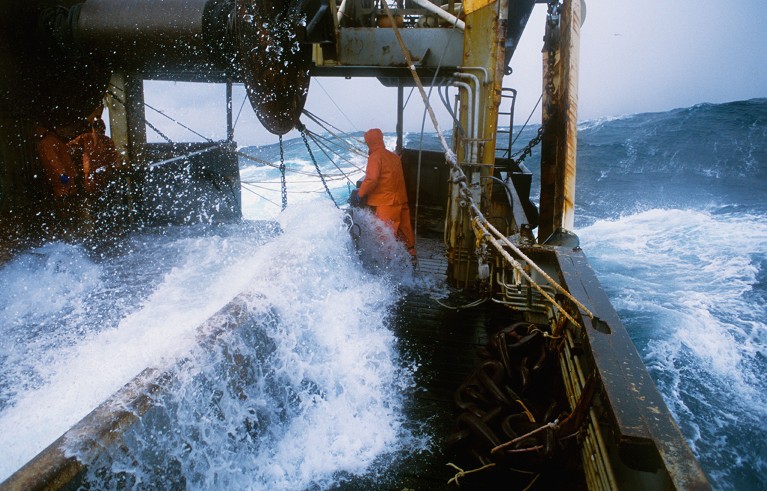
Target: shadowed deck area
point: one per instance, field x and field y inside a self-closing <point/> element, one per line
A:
<point x="443" y="342"/>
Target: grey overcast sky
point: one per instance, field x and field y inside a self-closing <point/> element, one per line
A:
<point x="636" y="56"/>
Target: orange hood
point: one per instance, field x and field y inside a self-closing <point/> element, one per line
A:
<point x="374" y="140"/>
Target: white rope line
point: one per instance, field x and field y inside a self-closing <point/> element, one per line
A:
<point x="459" y="178"/>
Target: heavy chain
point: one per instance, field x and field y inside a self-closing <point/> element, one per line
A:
<point x="302" y="129"/>
<point x="552" y="21"/>
<point x="282" y="172"/>
<point x="528" y="150"/>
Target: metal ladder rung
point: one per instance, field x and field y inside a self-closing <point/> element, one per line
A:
<point x="507" y="93"/>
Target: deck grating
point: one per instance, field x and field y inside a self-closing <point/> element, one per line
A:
<point x="444" y="342"/>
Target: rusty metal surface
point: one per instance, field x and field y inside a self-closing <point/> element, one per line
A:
<point x="272" y="63"/>
<point x="361" y="46"/>
<point x="560" y="103"/>
<point x="644" y="427"/>
<point x="571" y="20"/>
<point x="483" y="63"/>
<point x="55" y="467"/>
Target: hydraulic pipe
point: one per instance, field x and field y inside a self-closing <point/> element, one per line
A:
<point x="482" y="69"/>
<point x="453" y="20"/>
<point x="470" y="117"/>
<point x="477" y="122"/>
<point x="341" y="11"/>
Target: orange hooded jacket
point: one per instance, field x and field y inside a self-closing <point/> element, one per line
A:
<point x="97" y="153"/>
<point x="58" y="167"/>
<point x="384" y="182"/>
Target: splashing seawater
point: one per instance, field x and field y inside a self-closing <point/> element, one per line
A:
<point x="687" y="297"/>
<point x="670" y="209"/>
<point x="309" y="387"/>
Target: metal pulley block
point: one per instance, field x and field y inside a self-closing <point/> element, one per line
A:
<point x="273" y="64"/>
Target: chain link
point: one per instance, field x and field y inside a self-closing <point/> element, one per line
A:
<point x="528" y="150"/>
<point x="282" y="172"/>
<point x="552" y="21"/>
<point x="302" y="129"/>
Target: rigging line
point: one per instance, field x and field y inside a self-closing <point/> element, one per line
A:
<point x="339" y="142"/>
<point x="181" y="157"/>
<point x="165" y="115"/>
<point x="158" y="131"/>
<point x="255" y="185"/>
<point x="324" y="124"/>
<point x="217" y="144"/>
<point x="256" y="159"/>
<point x="527" y="121"/>
<point x="412" y="89"/>
<point x="515" y="264"/>
<point x="537" y="268"/>
<point x="179" y="123"/>
<point x="146" y="121"/>
<point x="327" y="146"/>
<point x="342" y="143"/>
<point x="260" y="196"/>
<point x="276" y="166"/>
<point x="302" y="129"/>
<point x="332" y="143"/>
<point x="426" y="99"/>
<point x="334" y="103"/>
<point x="346" y="137"/>
<point x="245" y="98"/>
<point x="153" y="127"/>
<point x="426" y="106"/>
<point x="310" y="191"/>
<point x="460" y="179"/>
<point x="328" y="157"/>
<point x="162" y="135"/>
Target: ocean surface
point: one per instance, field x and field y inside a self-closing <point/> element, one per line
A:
<point x="671" y="210"/>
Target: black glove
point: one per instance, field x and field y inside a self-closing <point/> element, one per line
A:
<point x="354" y="198"/>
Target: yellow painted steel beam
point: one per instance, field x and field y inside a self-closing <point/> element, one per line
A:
<point x="485" y="20"/>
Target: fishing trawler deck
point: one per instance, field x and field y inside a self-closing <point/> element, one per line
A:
<point x="605" y="427"/>
<point x="444" y="338"/>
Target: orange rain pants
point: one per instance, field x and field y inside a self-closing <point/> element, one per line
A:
<point x="397" y="217"/>
<point x="384" y="188"/>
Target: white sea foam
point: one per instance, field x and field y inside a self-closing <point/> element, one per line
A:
<point x="79" y="377"/>
<point x="262" y="185"/>
<point x="682" y="279"/>
<point x="330" y="351"/>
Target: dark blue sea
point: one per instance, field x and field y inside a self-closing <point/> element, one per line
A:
<point x="671" y="211"/>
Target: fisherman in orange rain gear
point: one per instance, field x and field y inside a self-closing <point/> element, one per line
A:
<point x="384" y="189"/>
<point x="97" y="153"/>
<point x="58" y="167"/>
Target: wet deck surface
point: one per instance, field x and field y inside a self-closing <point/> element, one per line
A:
<point x="443" y="342"/>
